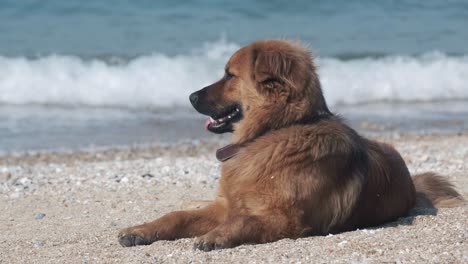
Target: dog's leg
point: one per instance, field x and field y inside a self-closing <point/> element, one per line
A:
<point x="179" y="224"/>
<point x="246" y="229"/>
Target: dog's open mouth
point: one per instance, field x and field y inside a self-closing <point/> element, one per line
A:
<point x="222" y="122"/>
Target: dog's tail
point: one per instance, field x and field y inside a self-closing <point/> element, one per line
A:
<point x="435" y="191"/>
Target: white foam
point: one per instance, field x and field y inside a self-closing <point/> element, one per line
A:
<point x="433" y="76"/>
<point x="159" y="80"/>
<point x="154" y="80"/>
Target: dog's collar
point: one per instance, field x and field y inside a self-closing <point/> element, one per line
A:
<point x="231" y="150"/>
<point x="227" y="152"/>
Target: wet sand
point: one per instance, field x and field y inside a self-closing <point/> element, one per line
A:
<point x="68" y="208"/>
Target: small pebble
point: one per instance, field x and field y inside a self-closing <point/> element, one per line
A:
<point x="39" y="215"/>
<point x="342" y="243"/>
<point x="24" y="181"/>
<point x="38" y="243"/>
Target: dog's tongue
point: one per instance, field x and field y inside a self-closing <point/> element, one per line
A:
<point x="208" y="122"/>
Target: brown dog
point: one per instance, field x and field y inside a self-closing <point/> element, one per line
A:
<point x="293" y="169"/>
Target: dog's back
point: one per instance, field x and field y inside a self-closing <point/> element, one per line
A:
<point x="390" y="192"/>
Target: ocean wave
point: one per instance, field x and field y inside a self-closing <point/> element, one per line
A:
<point x="159" y="80"/>
<point x="432" y="76"/>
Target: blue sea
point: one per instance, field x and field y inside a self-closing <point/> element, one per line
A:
<point x="75" y="74"/>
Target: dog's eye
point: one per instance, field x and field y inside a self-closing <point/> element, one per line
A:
<point x="270" y="80"/>
<point x="228" y="76"/>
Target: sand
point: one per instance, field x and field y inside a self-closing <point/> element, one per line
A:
<point x="69" y="207"/>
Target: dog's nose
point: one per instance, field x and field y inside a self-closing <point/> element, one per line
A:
<point x="194" y="99"/>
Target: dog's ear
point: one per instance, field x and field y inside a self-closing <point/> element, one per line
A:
<point x="279" y="73"/>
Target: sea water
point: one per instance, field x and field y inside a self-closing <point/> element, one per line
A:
<point x="80" y="73"/>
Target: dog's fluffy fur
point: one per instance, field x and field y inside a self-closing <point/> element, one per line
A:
<point x="300" y="170"/>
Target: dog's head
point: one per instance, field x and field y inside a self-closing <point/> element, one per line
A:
<point x="267" y="85"/>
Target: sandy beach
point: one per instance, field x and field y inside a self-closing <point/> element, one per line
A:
<point x="68" y="208"/>
<point x="99" y="128"/>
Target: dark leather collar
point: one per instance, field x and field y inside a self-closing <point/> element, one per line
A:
<point x="231" y="150"/>
<point x="227" y="152"/>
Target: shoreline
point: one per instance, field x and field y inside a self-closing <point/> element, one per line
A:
<point x="69" y="207"/>
<point x="48" y="129"/>
<point x="189" y="148"/>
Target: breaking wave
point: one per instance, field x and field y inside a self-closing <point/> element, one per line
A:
<point x="159" y="80"/>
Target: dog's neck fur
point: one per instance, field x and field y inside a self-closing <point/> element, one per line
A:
<point x="229" y="151"/>
<point x="286" y="114"/>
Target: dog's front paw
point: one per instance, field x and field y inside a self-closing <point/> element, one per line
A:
<point x="212" y="241"/>
<point x="134" y="236"/>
